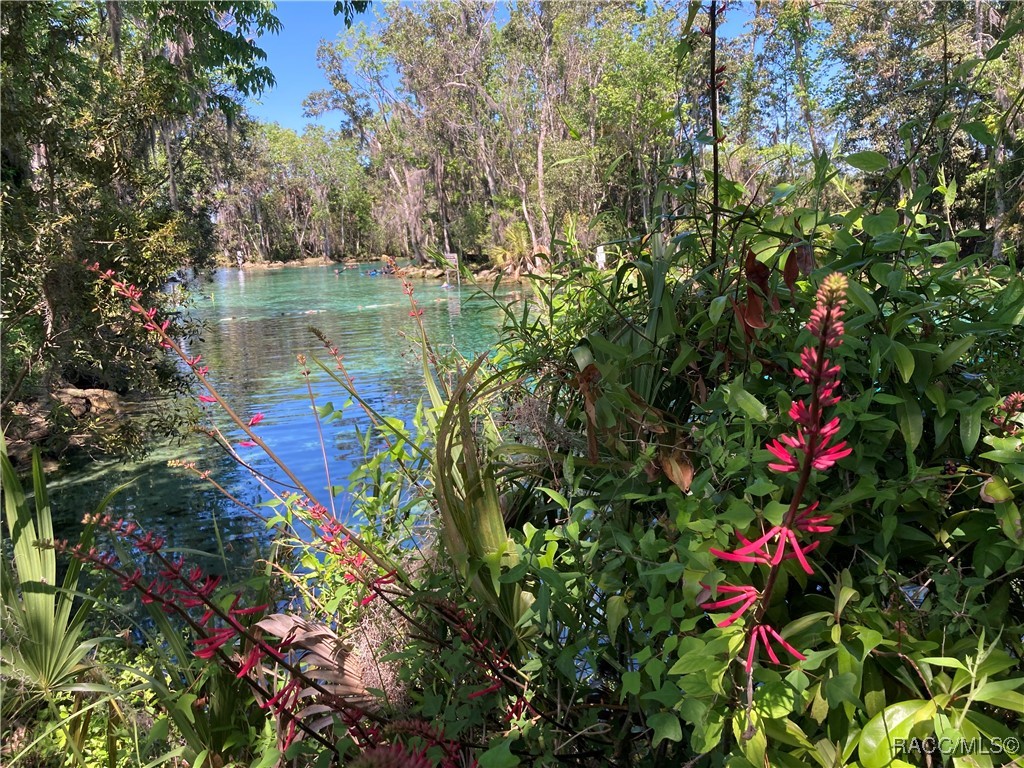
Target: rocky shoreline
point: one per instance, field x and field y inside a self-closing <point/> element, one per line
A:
<point x="35" y="422"/>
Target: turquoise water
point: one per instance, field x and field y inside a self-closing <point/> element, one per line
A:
<point x="255" y="324"/>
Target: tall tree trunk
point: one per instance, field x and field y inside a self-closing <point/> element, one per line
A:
<point x="805" y="96"/>
<point x="547" y="99"/>
<point x="172" y="184"/>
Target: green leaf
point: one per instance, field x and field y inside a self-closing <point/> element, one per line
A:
<point x="860" y="296"/>
<point x="691" y="657"/>
<point x="1003" y="694"/>
<point x="740" y="399"/>
<point x="877" y="747"/>
<point x="970" y="428"/>
<point x="762" y="486"/>
<point x="615" y="613"/>
<point x="869" y="161"/>
<point x="266" y="760"/>
<point x="556" y="497"/>
<point x="882" y="223"/>
<point x="952" y="353"/>
<point x="980" y="133"/>
<point x="944" y="661"/>
<point x="716" y="309"/>
<point x="666" y="726"/>
<point x="776" y="699"/>
<point x="630" y="683"/>
<point x="499" y="756"/>
<point x="949" y="196"/>
<point x="911" y="422"/>
<point x="904" y="361"/>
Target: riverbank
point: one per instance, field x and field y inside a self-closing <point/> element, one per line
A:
<point x="481" y="273"/>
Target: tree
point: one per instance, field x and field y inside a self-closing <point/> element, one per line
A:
<point x="104" y="110"/>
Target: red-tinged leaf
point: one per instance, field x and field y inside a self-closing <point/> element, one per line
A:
<point x="995" y="491"/>
<point x="791" y="271"/>
<point x="754" y="313"/>
<point x="804" y="258"/>
<point x="757" y="273"/>
<point x="678" y="469"/>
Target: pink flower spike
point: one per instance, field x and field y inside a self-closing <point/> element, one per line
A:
<point x="212" y="642"/>
<point x="801" y="414"/>
<point x="750" y="546"/>
<point x="719" y="603"/>
<point x="731" y="619"/>
<point x="255" y="419"/>
<point x="207" y="399"/>
<point x="798" y="552"/>
<point x="483" y="692"/>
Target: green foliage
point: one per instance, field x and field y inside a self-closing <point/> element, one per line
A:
<point x="44" y="650"/>
<point x="115" y="119"/>
<point x="578" y="494"/>
<point x="122" y="727"/>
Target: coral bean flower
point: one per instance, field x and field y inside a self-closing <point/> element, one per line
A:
<point x="766" y="635"/>
<point x="812" y="447"/>
<point x="746" y="596"/>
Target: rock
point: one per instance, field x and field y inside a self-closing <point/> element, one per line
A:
<point x="35" y="423"/>
<point x="89" y="402"/>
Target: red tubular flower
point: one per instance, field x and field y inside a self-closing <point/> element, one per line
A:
<point x="766" y="635"/>
<point x="255" y="419"/>
<point x="212" y="642"/>
<point x="787" y="462"/>
<point x="254" y="658"/>
<point x="207" y="399"/>
<point x="496" y="685"/>
<point x="745" y="595"/>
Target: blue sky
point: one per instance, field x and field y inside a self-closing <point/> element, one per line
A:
<point x="291" y="56"/>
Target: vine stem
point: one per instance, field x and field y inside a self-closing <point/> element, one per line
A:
<point x="715" y="161"/>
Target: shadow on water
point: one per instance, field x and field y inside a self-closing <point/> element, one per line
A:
<point x="256" y="323"/>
